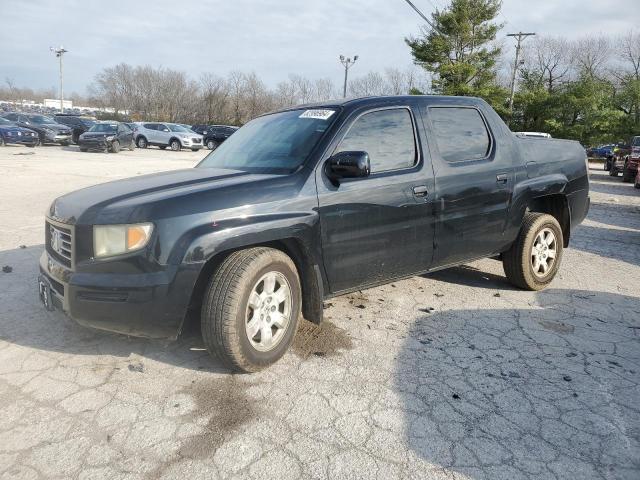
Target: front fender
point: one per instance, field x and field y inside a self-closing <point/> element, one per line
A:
<point x="205" y="242"/>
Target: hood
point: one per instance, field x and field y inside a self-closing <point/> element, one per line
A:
<point x="15" y="128"/>
<point x="146" y="197"/>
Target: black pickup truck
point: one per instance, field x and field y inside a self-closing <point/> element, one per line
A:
<point x="308" y="203"/>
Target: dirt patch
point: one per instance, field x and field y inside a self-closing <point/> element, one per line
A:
<point x="322" y="340"/>
<point x="225" y="402"/>
<point x="557" y="327"/>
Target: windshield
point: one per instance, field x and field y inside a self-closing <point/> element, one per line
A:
<point x="87" y="122"/>
<point x="276" y="143"/>
<point x="104" y="128"/>
<point x="636" y="142"/>
<point x="4" y="121"/>
<point x="41" y="119"/>
<point x="178" y="128"/>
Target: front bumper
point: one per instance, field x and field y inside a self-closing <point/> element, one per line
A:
<point x="57" y="138"/>
<point x="21" y="139"/>
<point x="150" y="305"/>
<point x="94" y="144"/>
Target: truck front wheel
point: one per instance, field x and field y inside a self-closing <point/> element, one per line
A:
<point x="251" y="309"/>
<point x="534" y="258"/>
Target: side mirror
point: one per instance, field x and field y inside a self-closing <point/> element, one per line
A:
<point x="348" y="165"/>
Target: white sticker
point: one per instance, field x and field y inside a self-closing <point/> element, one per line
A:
<point x="318" y="114"/>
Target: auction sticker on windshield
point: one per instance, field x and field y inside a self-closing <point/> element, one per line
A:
<point x="318" y="114"/>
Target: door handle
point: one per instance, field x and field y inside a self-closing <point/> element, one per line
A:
<point x="502" y="178"/>
<point x="420" y="191"/>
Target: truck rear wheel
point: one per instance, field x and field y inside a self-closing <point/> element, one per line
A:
<point x="534" y="258"/>
<point x="251" y="309"/>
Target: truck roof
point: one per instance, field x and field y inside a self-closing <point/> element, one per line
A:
<point x="363" y="101"/>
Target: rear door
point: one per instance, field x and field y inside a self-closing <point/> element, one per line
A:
<point x="474" y="183"/>
<point x="381" y="226"/>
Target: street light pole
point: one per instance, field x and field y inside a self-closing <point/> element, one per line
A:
<point x="59" y="53"/>
<point x="348" y="63"/>
<point x="520" y="37"/>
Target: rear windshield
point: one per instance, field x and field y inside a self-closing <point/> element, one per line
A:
<point x="104" y="128"/>
<point x="275" y="143"/>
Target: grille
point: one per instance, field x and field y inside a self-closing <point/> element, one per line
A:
<point x="60" y="243"/>
<point x="195" y="140"/>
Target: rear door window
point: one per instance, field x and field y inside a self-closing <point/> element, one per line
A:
<point x="150" y="126"/>
<point x="461" y="133"/>
<point x="387" y="136"/>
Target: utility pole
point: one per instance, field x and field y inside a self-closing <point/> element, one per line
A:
<point x="348" y="63"/>
<point x="520" y="37"/>
<point x="60" y="51"/>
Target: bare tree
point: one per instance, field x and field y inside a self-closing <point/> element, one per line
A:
<point x="591" y="55"/>
<point x="628" y="47"/>
<point x="547" y="62"/>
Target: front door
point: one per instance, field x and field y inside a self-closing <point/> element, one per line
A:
<point x="381" y="226"/>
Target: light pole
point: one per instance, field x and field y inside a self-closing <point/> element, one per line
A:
<point x="348" y="63"/>
<point x="60" y="51"/>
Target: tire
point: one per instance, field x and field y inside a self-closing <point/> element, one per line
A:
<point x="636" y="185"/>
<point x="226" y="309"/>
<point x="518" y="261"/>
<point x="627" y="176"/>
<point x="175" y="145"/>
<point x="141" y="142"/>
<point x="83" y="149"/>
<point x="115" y="146"/>
<point x="613" y="172"/>
<point x="212" y="144"/>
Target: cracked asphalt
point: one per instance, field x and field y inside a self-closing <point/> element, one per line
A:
<point x="454" y="375"/>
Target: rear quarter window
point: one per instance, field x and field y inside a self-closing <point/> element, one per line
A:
<point x="460" y="133"/>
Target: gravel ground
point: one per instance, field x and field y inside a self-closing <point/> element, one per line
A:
<point x="450" y="375"/>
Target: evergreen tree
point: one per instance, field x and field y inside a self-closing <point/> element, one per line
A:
<point x="459" y="50"/>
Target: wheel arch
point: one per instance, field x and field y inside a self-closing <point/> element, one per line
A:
<point x="175" y="138"/>
<point x="556" y="205"/>
<point x="311" y="279"/>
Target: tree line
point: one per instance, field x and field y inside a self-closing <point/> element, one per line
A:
<point x="164" y="94"/>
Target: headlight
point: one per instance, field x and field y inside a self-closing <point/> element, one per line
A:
<point x="109" y="240"/>
<point x="110" y="137"/>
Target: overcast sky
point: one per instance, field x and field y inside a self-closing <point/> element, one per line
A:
<point x="271" y="37"/>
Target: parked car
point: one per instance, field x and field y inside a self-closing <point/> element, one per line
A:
<point x="636" y="184"/>
<point x="308" y="203"/>
<point x="214" y="135"/>
<point x="166" y="135"/>
<point x="630" y="169"/>
<point x="12" y="133"/>
<point x="109" y="136"/>
<point x="77" y="123"/>
<point x="621" y="161"/>
<point x="48" y="130"/>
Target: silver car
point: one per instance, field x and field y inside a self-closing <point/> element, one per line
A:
<point x="164" y="135"/>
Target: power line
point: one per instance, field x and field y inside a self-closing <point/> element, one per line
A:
<point x="424" y="17"/>
<point x="520" y="36"/>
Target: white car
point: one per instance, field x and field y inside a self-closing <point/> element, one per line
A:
<point x="164" y="135"/>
